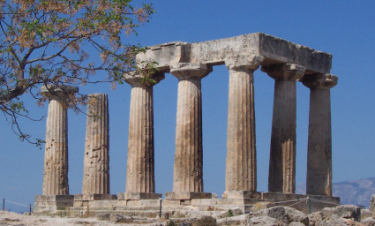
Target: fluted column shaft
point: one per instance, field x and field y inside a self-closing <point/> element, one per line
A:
<point x="96" y="161"/>
<point x="55" y="178"/>
<point x="241" y="171"/>
<point x="140" y="167"/>
<point x="282" y="167"/>
<point x="188" y="165"/>
<point x="319" y="153"/>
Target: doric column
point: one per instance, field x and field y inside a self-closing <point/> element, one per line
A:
<point x="319" y="153"/>
<point x="282" y="167"/>
<point x="241" y="171"/>
<point x="96" y="162"/>
<point x="188" y="165"/>
<point x="55" y="180"/>
<point x="140" y="179"/>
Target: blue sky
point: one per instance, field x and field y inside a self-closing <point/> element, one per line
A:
<point x="342" y="28"/>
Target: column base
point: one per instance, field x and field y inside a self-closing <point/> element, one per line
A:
<point x="241" y="195"/>
<point x="90" y="197"/>
<point x="137" y="196"/>
<point x="53" y="202"/>
<point x="187" y="195"/>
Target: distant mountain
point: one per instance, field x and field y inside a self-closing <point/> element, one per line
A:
<point x="356" y="192"/>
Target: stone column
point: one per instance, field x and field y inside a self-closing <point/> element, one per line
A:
<point x="319" y="153"/>
<point x="55" y="180"/>
<point x="282" y="167"/>
<point x="96" y="162"/>
<point x="188" y="165"/>
<point x="241" y="171"/>
<point x="140" y="179"/>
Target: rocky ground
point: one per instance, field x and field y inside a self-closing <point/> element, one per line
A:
<point x="277" y="216"/>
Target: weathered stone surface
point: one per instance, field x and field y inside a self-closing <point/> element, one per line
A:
<point x="50" y="203"/>
<point x="55" y="179"/>
<point x="91" y="197"/>
<point x="241" y="174"/>
<point x="344" y="211"/>
<point x="188" y="166"/>
<point x="96" y="162"/>
<point x="274" y="50"/>
<point x="283" y="214"/>
<point x="235" y="220"/>
<point x="263" y="221"/>
<point x="140" y="177"/>
<point x="296" y="224"/>
<point x="262" y="205"/>
<point x="365" y="213"/>
<point x="369" y="221"/>
<point x="138" y="195"/>
<point x="315" y="218"/>
<point x="282" y="167"/>
<point x="319" y="153"/>
<point x="187" y="195"/>
<point x="372" y="205"/>
<point x="118" y="219"/>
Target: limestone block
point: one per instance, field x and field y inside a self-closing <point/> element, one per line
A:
<point x="344" y="211"/>
<point x="263" y="220"/>
<point x="241" y="195"/>
<point x="53" y="202"/>
<point x="235" y="220"/>
<point x="139" y="195"/>
<point x="365" y="213"/>
<point x="369" y="221"/>
<point x="283" y="214"/>
<point x="92" y="197"/>
<point x="262" y="205"/>
<point x="372" y="204"/>
<point x="187" y="195"/>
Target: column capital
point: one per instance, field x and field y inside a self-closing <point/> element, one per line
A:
<point x="190" y="70"/>
<point x="139" y="80"/>
<point x="236" y="62"/>
<point x="289" y="72"/>
<point x="53" y="91"/>
<point x="319" y="81"/>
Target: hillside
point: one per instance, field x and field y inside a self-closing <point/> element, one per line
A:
<point x="356" y="192"/>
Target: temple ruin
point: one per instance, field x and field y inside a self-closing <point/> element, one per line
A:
<point x="287" y="63"/>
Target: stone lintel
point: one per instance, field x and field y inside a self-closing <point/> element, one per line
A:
<point x="164" y="55"/>
<point x="280" y="50"/>
<point x="241" y="195"/>
<point x="90" y="197"/>
<point x="273" y="49"/>
<point x="319" y="81"/>
<point x="187" y="195"/>
<point x="137" y="196"/>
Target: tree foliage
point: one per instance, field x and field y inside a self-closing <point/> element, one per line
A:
<point x="63" y="42"/>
